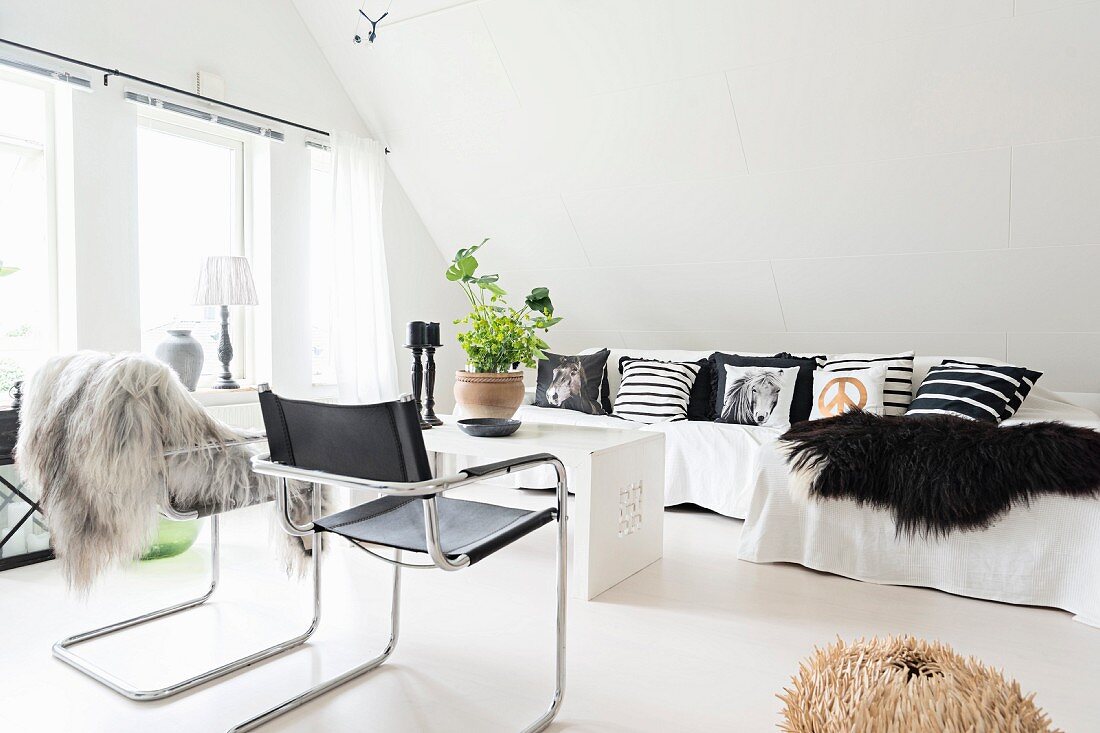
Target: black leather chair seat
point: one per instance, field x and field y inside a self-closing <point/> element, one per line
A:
<point x="465" y="527"/>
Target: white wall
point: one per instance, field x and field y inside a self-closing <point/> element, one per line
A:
<point x="419" y="292"/>
<point x="858" y="174"/>
<point x="270" y="63"/>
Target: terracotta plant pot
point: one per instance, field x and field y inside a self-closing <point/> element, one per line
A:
<point x="488" y="394"/>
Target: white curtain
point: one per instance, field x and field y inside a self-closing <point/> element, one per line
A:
<point x="362" y="333"/>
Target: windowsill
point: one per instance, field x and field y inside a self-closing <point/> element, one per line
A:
<point x="208" y="396"/>
<point x="324" y="391"/>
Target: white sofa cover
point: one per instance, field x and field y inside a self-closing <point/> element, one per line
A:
<point x="1046" y="554"/>
<point x="715" y="465"/>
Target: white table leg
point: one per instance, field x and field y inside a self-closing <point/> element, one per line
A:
<point x="618" y="516"/>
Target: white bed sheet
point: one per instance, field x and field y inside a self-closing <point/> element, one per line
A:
<point x="713" y="465"/>
<point x="709" y="464"/>
<point x="1045" y="554"/>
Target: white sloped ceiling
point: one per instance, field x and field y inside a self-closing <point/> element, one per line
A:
<point x="765" y="174"/>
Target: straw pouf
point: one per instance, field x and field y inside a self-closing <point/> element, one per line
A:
<point x="905" y="685"/>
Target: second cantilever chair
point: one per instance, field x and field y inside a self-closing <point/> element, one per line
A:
<point x="380" y="447"/>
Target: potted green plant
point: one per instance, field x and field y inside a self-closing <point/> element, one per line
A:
<point x="500" y="337"/>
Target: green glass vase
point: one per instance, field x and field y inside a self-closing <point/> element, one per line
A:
<point x="173" y="538"/>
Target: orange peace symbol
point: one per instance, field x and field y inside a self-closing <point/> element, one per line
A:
<point x="840" y="401"/>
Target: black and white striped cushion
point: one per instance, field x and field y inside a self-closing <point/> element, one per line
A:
<point x="898" y="392"/>
<point x="977" y="393"/>
<point x="655" y="391"/>
<point x="1026" y="382"/>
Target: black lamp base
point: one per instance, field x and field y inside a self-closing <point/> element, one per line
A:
<point x="225" y="384"/>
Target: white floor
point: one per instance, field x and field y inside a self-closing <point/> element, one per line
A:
<point x="697" y="642"/>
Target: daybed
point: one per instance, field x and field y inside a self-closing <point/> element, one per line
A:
<point x="1047" y="554"/>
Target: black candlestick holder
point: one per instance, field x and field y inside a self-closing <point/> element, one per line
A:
<point x="418" y="382"/>
<point x="429" y="415"/>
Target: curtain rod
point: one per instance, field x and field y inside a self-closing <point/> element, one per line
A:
<point x="108" y="73"/>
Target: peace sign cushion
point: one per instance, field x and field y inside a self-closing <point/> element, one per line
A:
<point x="898" y="392"/>
<point x="839" y="391"/>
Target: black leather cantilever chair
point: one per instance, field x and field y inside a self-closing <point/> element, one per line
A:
<point x="380" y="447"/>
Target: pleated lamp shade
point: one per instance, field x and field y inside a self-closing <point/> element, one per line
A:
<point x="225" y="281"/>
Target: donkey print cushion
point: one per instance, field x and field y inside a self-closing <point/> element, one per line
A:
<point x="758" y="396"/>
<point x="573" y="382"/>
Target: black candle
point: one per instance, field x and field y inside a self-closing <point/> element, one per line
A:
<point x="417" y="334"/>
<point x="433" y="334"/>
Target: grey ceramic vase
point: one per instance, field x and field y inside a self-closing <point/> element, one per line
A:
<point x="183" y="353"/>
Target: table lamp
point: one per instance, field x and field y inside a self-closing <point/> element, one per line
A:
<point x="225" y="281"/>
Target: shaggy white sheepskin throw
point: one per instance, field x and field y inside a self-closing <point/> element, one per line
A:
<point x="905" y="685"/>
<point x="93" y="432"/>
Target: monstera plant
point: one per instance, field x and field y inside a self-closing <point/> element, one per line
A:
<point x="499" y="335"/>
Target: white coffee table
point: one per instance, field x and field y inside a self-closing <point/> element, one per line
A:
<point x="618" y="478"/>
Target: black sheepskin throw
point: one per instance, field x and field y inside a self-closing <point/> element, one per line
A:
<point x="938" y="474"/>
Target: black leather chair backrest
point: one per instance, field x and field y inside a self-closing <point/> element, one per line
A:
<point x="381" y="442"/>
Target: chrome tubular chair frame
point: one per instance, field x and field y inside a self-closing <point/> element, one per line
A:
<point x="63" y="649"/>
<point x="429" y="490"/>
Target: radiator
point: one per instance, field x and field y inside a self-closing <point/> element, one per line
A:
<point x="245" y="415"/>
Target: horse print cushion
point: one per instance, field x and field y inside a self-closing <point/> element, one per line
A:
<point x="573" y="382"/>
<point x="852" y="389"/>
<point x="758" y="396"/>
<point x="802" y="401"/>
<point x="700" y="403"/>
<point x="655" y="391"/>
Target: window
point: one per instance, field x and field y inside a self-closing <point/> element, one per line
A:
<point x="190" y="206"/>
<point x="321" y="290"/>
<point x="28" y="297"/>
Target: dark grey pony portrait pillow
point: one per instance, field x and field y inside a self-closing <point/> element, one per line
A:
<point x="574" y="382"/>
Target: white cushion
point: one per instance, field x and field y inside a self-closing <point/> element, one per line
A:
<point x="898" y="391"/>
<point x="655" y="391"/>
<point x="848" y="389"/>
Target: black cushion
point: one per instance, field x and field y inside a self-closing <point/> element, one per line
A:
<point x="802" y="402"/>
<point x="465" y="527"/>
<point x="700" y="402"/>
<point x="1027" y="381"/>
<point x="605" y="391"/>
<point x="574" y="383"/>
<point x="978" y="393"/>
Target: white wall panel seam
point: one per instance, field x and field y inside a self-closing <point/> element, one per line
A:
<point x="680" y="262"/>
